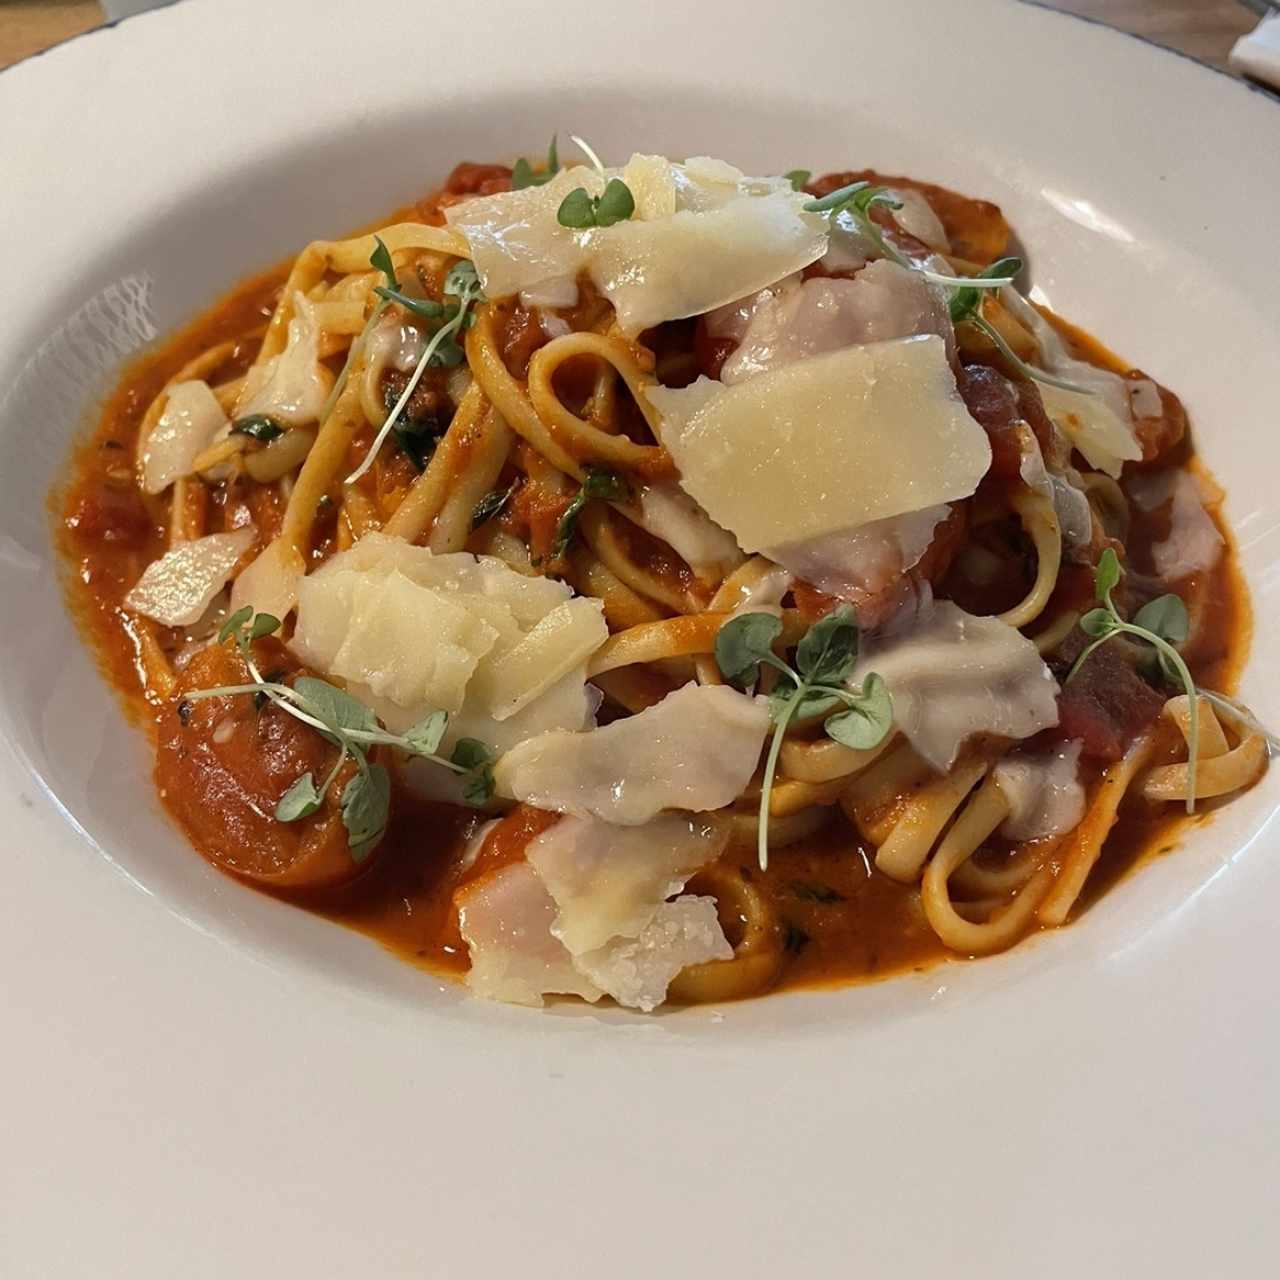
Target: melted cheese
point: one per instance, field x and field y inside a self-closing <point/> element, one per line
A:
<point x="192" y="417"/>
<point x="826" y="444"/>
<point x="695" y="750"/>
<point x="703" y="235"/>
<point x="800" y="319"/>
<point x="609" y="881"/>
<point x="292" y="386"/>
<point x="953" y="675"/>
<point x="1044" y="792"/>
<point x="177" y="589"/>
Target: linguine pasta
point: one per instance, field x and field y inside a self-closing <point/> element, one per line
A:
<point x="658" y="583"/>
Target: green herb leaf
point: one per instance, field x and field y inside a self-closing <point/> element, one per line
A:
<point x="492" y="504"/>
<point x="472" y="755"/>
<point x="258" y="426"/>
<point x="799" y="178"/>
<point x="233" y="624"/>
<point x="1165" y="617"/>
<point x="606" y="485"/>
<point x="1106" y="577"/>
<point x="867" y="720"/>
<point x="463" y="281"/>
<point x="263" y="625"/>
<point x="366" y="806"/>
<point x="417" y="440"/>
<point x="336" y="707"/>
<point x="580" y="211"/>
<point x="836" y="199"/>
<point x="616" y="204"/>
<point x="380" y="260"/>
<point x="1098" y="622"/>
<point x="829" y="649"/>
<point x="525" y="175"/>
<point x="576" y="210"/>
<point x="596" y="483"/>
<point x="743" y="643"/>
<point x="424" y="738"/>
<point x="300" y="801"/>
<point x="427" y="308"/>
<point x="448" y="354"/>
<point x="964" y="301"/>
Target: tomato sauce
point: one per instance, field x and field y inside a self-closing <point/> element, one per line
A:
<point x="841" y="920"/>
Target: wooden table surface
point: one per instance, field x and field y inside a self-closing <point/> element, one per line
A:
<point x="1205" y="29"/>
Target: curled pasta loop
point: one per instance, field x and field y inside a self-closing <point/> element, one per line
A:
<point x="1080" y="849"/>
<point x="1041" y="524"/>
<point x="583" y="439"/>
<point x="675" y="637"/>
<point x="601" y="536"/>
<point x="508" y="396"/>
<point x="1220" y="768"/>
<point x="981" y="815"/>
<point x="758" y="954"/>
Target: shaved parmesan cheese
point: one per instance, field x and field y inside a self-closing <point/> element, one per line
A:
<point x="270" y="583"/>
<point x="1193" y="543"/>
<point x="696" y="750"/>
<point x="917" y="218"/>
<point x="292" y="386"/>
<point x="505" y="919"/>
<point x="636" y="972"/>
<point x="177" y="589"/>
<point x="826" y="444"/>
<point x="1100" y="423"/>
<point x="1044" y="792"/>
<point x="407" y="643"/>
<point x="668" y="513"/>
<point x="802" y="319"/>
<point x="192" y="417"/>
<point x="609" y="881"/>
<point x="703" y="235"/>
<point x="413" y="632"/>
<point x="560" y="641"/>
<point x="954" y="675"/>
<point x="863" y="562"/>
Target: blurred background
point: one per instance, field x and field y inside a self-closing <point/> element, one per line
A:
<point x="1205" y="29"/>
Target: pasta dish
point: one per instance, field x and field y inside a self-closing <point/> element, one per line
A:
<point x="658" y="583"/>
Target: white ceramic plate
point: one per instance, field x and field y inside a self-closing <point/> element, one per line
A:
<point x="198" y="1081"/>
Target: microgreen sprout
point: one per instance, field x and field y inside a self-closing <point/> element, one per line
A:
<point x="353" y="728"/>
<point x="587" y="151"/>
<point x="525" y="175"/>
<point x="443" y="348"/>
<point x="857" y="199"/>
<point x="1163" y="624"/>
<point x="815" y="686"/>
<point x="596" y="483"/>
<point x="799" y="178"/>
<point x="581" y="211"/>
